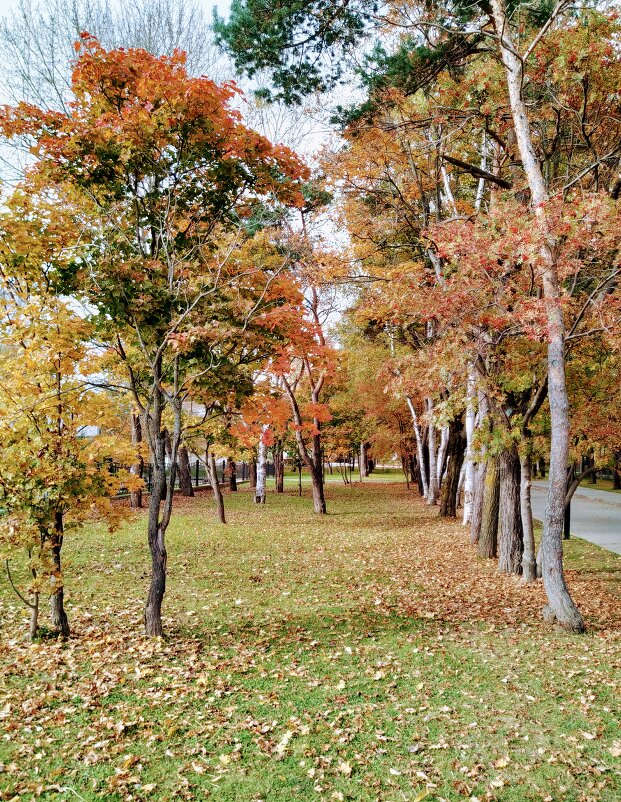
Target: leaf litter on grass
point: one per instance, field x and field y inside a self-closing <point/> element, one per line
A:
<point x="367" y="655"/>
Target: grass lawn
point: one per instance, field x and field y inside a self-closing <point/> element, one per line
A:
<point x="364" y="655"/>
<point x="601" y="484"/>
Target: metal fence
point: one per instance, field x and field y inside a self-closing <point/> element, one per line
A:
<point x="198" y="473"/>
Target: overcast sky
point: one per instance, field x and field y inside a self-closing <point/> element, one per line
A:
<point x="222" y="5"/>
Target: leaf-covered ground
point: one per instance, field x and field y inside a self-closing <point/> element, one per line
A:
<point x="367" y="655"/>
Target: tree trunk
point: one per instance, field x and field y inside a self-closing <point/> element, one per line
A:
<point x="212" y="472"/>
<point x="34" y="615"/>
<point x="135" y="497"/>
<point x="232" y="468"/>
<point x="259" y="496"/>
<point x="469" y="470"/>
<point x="510" y="523"/>
<point x="252" y="474"/>
<point x="156" y="533"/>
<point x="477" y="502"/>
<point x="59" y="619"/>
<point x="560" y="604"/>
<point x="362" y="461"/>
<point x="455" y="451"/>
<point x="423" y="483"/>
<point x="488" y="538"/>
<point x="529" y="565"/>
<point x="432" y="493"/>
<point x="442" y="455"/>
<point x="279" y="466"/>
<point x="593" y="476"/>
<point x="616" y="476"/>
<point x="319" y="501"/>
<point x="185" y="475"/>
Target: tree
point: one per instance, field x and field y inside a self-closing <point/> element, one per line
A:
<point x="436" y="40"/>
<point x="37" y="41"/>
<point x="54" y="475"/>
<point x="161" y="175"/>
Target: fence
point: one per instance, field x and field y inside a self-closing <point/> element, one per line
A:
<point x="198" y="473"/>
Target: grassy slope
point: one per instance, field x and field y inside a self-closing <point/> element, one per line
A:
<point x="367" y="655"/>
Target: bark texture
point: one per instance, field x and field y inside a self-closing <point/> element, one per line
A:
<point x="510" y="522"/>
<point x="259" y="495"/>
<point x="469" y="466"/>
<point x="279" y="466"/>
<point x="135" y="498"/>
<point x="215" y="486"/>
<point x="529" y="563"/>
<point x="157" y="546"/>
<point x="456" y="448"/>
<point x="185" y="476"/>
<point x="488" y="537"/>
<point x="432" y="493"/>
<point x="477" y="502"/>
<point x="60" y="622"/>
<point x="252" y="474"/>
<point x="232" y="469"/>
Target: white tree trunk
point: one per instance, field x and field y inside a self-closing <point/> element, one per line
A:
<point x="432" y="492"/>
<point x="529" y="564"/>
<point x="561" y="606"/>
<point x="419" y="447"/>
<point x="444" y="438"/>
<point x="259" y="493"/>
<point x="469" y="462"/>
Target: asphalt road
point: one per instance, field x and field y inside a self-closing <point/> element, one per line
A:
<point x="595" y="514"/>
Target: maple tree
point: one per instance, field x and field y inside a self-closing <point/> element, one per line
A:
<point x="162" y="175"/>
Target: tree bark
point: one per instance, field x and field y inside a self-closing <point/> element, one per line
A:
<point x="60" y="622"/>
<point x="232" y="468"/>
<point x="442" y="455"/>
<point x="560" y="604"/>
<point x="488" y="538"/>
<point x="319" y="500"/>
<point x="510" y="523"/>
<point x="135" y="498"/>
<point x="212" y="472"/>
<point x="279" y="466"/>
<point x="34" y="616"/>
<point x="156" y="536"/>
<point x="424" y="484"/>
<point x="469" y="470"/>
<point x="259" y="496"/>
<point x="185" y="476"/>
<point x="362" y="461"/>
<point x="252" y="474"/>
<point x="477" y="503"/>
<point x="529" y="564"/>
<point x="432" y="492"/>
<point x="455" y="451"/>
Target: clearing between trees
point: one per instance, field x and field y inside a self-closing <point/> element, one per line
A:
<point x="364" y="655"/>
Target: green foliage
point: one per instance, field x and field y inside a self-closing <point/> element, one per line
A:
<point x="298" y="41"/>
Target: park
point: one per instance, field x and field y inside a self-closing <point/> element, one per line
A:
<point x="366" y="654"/>
<point x="310" y="435"/>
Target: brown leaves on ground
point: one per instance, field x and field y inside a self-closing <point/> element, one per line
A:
<point x="364" y="655"/>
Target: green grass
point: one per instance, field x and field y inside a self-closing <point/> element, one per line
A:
<point x="600" y="484"/>
<point x="364" y="655"/>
